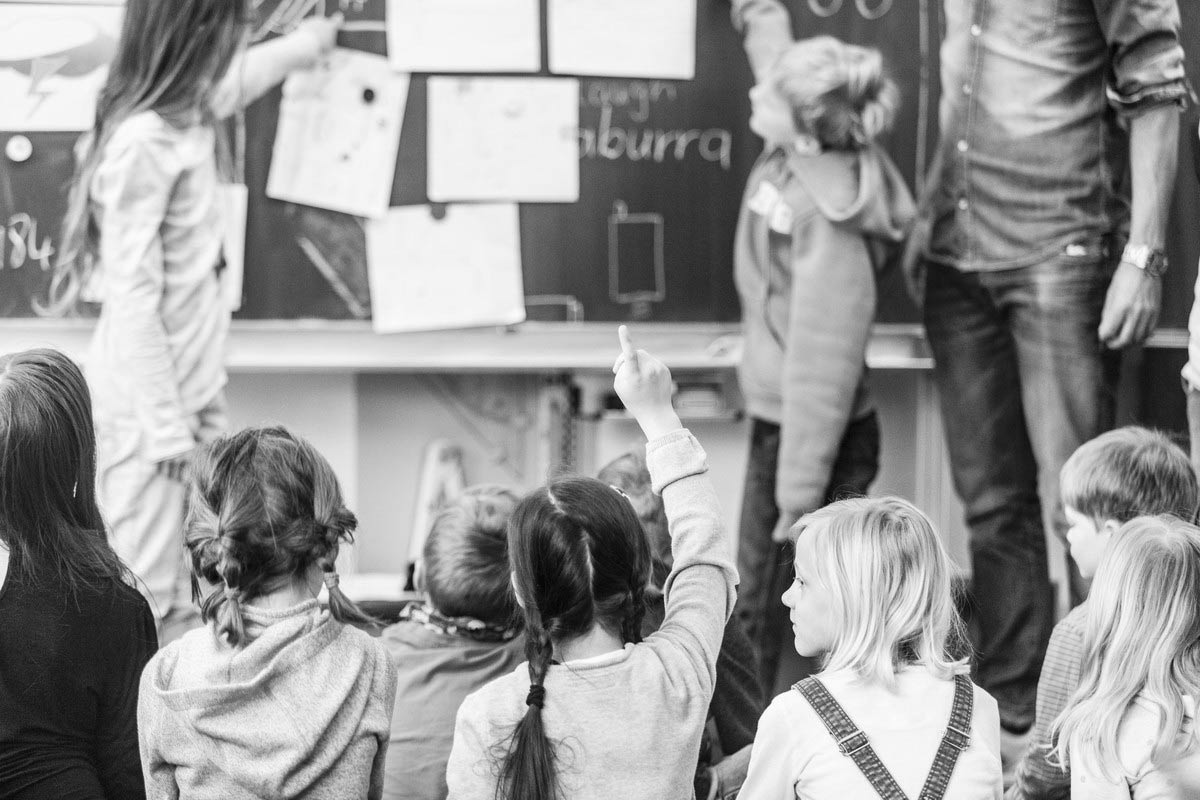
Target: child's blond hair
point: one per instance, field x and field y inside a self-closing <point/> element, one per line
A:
<point x="892" y="592"/>
<point x="1130" y="472"/>
<point x="839" y="93"/>
<point x="1141" y="636"/>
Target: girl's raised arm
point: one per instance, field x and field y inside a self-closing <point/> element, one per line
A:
<point x="767" y="28"/>
<point x="257" y="70"/>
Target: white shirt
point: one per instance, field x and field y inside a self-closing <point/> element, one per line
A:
<point x="795" y="756"/>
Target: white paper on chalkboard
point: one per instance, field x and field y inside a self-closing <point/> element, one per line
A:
<point x="460" y="271"/>
<point x="53" y="62"/>
<point x="464" y="35"/>
<point x="339" y="133"/>
<point x="623" y="38"/>
<point x="503" y="139"/>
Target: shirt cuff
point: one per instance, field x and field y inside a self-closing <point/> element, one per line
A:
<point x="672" y="457"/>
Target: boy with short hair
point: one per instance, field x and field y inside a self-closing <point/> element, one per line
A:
<point x="1119" y="475"/>
<point x="463" y="636"/>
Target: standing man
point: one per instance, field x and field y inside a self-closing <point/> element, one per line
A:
<point x="1040" y="255"/>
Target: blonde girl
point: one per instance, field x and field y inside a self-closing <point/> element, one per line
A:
<point x="824" y="211"/>
<point x="1129" y="729"/>
<point x="872" y="597"/>
<point x="143" y="231"/>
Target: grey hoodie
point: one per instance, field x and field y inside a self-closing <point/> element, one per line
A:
<point x="303" y="710"/>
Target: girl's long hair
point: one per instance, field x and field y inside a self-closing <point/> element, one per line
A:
<point x="1141" y="636"/>
<point x="892" y="593"/>
<point x="49" y="520"/>
<point x="170" y="57"/>
<point x="264" y="507"/>
<point x="578" y="557"/>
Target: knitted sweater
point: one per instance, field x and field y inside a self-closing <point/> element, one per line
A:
<point x="301" y="710"/>
<point x="627" y="723"/>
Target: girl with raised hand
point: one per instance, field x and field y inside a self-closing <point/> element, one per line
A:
<point x="74" y="633"/>
<point x="597" y="712"/>
<point x="143" y="233"/>
<point x="277" y="697"/>
<point x="1129" y="729"/>
<point x="892" y="712"/>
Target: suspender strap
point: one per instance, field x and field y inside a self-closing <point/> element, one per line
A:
<point x="850" y="740"/>
<point x="956" y="739"/>
<point x="853" y="742"/>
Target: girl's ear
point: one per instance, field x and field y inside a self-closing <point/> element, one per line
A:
<point x="1109" y="527"/>
<point x="512" y="578"/>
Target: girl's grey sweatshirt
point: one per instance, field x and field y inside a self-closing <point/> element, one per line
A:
<point x="303" y="710"/>
<point x="626" y="724"/>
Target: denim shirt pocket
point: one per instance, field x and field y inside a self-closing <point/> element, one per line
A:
<point x="1025" y="22"/>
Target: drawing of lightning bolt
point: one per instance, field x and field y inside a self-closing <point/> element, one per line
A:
<point x="40" y="70"/>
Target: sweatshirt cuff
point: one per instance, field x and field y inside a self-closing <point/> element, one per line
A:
<point x="674" y="456"/>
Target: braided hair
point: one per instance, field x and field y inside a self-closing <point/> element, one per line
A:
<point x="264" y="507"/>
<point x="579" y="559"/>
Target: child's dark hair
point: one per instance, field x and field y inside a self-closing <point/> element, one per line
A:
<point x="1130" y="472"/>
<point x="49" y="520"/>
<point x="264" y="507"/>
<point x="629" y="473"/>
<point x="579" y="558"/>
<point x="466" y="556"/>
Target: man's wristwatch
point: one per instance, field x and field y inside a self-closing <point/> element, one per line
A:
<point x="1149" y="260"/>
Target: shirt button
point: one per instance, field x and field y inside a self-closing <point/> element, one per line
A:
<point x="962" y="146"/>
<point x="963" y="204"/>
<point x="976" y="30"/>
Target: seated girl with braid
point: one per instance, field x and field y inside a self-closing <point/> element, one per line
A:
<point x="598" y="712"/>
<point x="275" y="697"/>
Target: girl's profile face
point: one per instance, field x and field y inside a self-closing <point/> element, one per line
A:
<point x="810" y="605"/>
<point x="770" y="114"/>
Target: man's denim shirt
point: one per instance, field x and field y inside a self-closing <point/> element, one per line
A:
<point x="1034" y="149"/>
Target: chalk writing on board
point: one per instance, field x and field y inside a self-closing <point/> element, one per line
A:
<point x="636" y="96"/>
<point x="22" y="246"/>
<point x="636" y="267"/>
<point x="828" y="8"/>
<point x="287" y="14"/>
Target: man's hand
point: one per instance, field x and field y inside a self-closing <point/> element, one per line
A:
<point x="644" y="385"/>
<point x="1131" y="307"/>
<point x="783" y="528"/>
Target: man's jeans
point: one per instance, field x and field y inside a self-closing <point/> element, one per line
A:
<point x="1023" y="381"/>
<point x="765" y="566"/>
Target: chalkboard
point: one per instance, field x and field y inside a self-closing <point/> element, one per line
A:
<point x="659" y="158"/>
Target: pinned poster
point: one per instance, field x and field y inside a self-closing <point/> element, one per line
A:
<point x="464" y="35"/>
<point x="53" y="63"/>
<point x="339" y="134"/>
<point x="623" y="38"/>
<point x="504" y="139"/>
<point x="457" y="271"/>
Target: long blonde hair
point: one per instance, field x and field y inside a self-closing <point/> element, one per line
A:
<point x="1141" y="636"/>
<point x="169" y="59"/>
<point x="892" y="593"/>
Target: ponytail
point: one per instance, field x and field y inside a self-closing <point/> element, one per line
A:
<point x="528" y="771"/>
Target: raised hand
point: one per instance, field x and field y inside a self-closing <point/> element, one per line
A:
<point x="644" y="385"/>
<point x="323" y="29"/>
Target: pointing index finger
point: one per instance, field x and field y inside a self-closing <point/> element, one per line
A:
<point x="627" y="348"/>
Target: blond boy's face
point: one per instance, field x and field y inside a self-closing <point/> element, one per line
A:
<point x="1088" y="541"/>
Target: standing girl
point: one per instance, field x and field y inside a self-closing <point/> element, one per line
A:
<point x="892" y="712"/>
<point x="276" y="697"/>
<point x="1129" y="730"/>
<point x="143" y="232"/>
<point x="74" y="633"/>
<point x="824" y="211"/>
<point x="597" y="712"/>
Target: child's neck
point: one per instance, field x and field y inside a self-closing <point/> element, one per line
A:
<point x="292" y="593"/>
<point x="595" y="642"/>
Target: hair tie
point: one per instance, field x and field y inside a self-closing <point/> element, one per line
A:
<point x="536" y="696"/>
<point x="331" y="580"/>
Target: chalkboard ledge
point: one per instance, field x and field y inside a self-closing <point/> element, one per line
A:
<point x="324" y="346"/>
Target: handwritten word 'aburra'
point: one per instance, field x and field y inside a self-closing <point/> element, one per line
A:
<point x="651" y="144"/>
<point x="635" y="95"/>
<point x="20" y="244"/>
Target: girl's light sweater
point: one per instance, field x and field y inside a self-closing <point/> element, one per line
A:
<point x="628" y="723"/>
<point x="794" y="755"/>
<point x="1143" y="779"/>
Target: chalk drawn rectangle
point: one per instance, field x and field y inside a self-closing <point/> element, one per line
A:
<point x="53" y="62"/>
<point x="503" y="139"/>
<point x="463" y="270"/>
<point x="623" y="38"/>
<point x="635" y="258"/>
<point x="464" y="35"/>
<point x="339" y="134"/>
